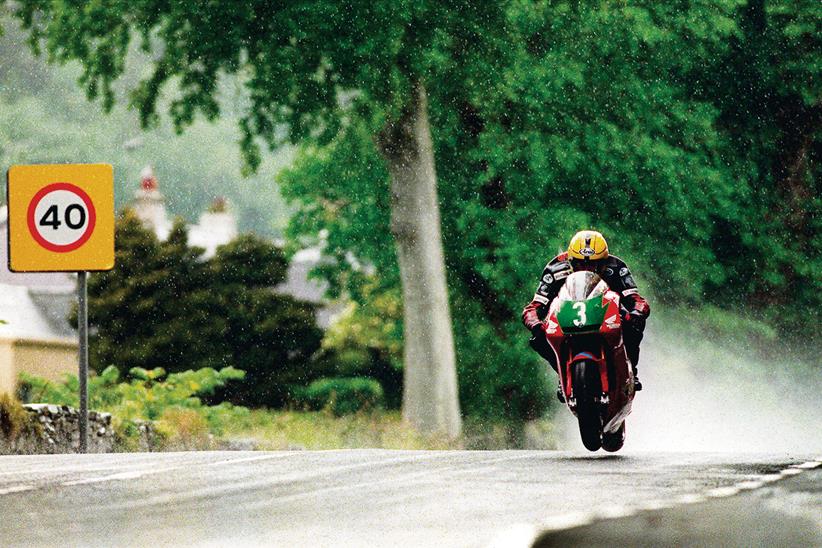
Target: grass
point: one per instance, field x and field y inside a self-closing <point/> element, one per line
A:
<point x="288" y="430"/>
<point x="280" y="430"/>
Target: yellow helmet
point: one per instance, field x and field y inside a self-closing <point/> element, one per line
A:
<point x="588" y="245"/>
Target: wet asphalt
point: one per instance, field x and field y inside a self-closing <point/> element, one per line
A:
<point x="388" y="498"/>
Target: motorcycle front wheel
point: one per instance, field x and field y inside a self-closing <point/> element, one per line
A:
<point x="587" y="390"/>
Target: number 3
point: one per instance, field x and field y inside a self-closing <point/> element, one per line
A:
<point x="580" y="308"/>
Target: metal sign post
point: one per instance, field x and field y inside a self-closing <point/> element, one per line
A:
<point x="61" y="219"/>
<point x="82" y="329"/>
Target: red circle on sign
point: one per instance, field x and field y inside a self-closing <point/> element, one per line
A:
<point x="92" y="217"/>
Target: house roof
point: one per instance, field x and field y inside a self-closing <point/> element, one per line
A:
<point x="34" y="316"/>
<point x="34" y="305"/>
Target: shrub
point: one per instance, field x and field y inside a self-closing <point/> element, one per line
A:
<point x="163" y="301"/>
<point x="13" y="418"/>
<point x="171" y="401"/>
<point x="185" y="429"/>
<point x="343" y="396"/>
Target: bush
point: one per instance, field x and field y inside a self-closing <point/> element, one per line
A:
<point x="171" y="401"/>
<point x="13" y="418"/>
<point x="185" y="429"/>
<point x="343" y="396"/>
<point x="163" y="301"/>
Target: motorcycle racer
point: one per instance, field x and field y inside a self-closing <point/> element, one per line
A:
<point x="588" y="250"/>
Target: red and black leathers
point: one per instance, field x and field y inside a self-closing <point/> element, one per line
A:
<point x="614" y="271"/>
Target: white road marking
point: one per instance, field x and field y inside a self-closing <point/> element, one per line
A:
<point x="750" y="484"/>
<point x="577" y="519"/>
<point x="691" y="498"/>
<point x="720" y="492"/>
<point x="791" y="471"/>
<point x="140" y="473"/>
<point x="112" y="477"/>
<point x="654" y="505"/>
<point x="520" y="534"/>
<point x="15" y="489"/>
<point x="249" y="459"/>
<point x="616" y="512"/>
<point x="567" y="521"/>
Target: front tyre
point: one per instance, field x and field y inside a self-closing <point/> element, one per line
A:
<point x="587" y="390"/>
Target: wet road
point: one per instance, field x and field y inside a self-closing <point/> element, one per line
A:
<point x="356" y="498"/>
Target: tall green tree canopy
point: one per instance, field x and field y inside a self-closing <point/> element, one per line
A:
<point x="689" y="133"/>
<point x="656" y="123"/>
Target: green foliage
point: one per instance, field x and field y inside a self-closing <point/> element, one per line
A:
<point x="767" y="90"/>
<point x="163" y="306"/>
<point x="288" y="430"/>
<point x="665" y="126"/>
<point x="296" y="59"/>
<point x="14" y="420"/>
<point x="689" y="133"/>
<point x="343" y="396"/>
<point x="173" y="400"/>
<point x="366" y="340"/>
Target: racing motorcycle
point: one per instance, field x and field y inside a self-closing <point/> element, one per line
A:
<point x="583" y="327"/>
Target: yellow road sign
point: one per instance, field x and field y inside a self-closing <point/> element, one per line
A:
<point x="61" y="217"/>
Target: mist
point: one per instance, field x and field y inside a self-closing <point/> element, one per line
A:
<point x="702" y="395"/>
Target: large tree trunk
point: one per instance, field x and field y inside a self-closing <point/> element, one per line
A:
<point x="430" y="400"/>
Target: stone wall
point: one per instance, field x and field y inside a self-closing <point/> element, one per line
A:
<point x="59" y="430"/>
<point x="56" y="429"/>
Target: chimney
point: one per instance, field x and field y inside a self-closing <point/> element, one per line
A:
<point x="149" y="205"/>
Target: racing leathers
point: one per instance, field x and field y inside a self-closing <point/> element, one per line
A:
<point x="633" y="308"/>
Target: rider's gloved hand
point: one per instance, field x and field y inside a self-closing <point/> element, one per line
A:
<point x="639" y="312"/>
<point x="635" y="319"/>
<point x="641" y="307"/>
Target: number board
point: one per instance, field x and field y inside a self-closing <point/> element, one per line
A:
<point x="61" y="217"/>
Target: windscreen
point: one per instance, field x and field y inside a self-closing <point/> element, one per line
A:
<point x="581" y="286"/>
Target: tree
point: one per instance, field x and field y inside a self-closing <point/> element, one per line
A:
<point x="768" y="92"/>
<point x="311" y="67"/>
<point x="163" y="306"/>
<point x="593" y="123"/>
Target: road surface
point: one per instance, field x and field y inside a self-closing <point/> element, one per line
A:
<point x="378" y="497"/>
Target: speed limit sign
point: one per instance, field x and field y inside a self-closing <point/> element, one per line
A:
<point x="61" y="217"/>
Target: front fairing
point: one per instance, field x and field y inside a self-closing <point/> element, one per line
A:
<point x="584" y="305"/>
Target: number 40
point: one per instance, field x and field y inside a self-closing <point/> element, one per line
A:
<point x="50" y="217"/>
